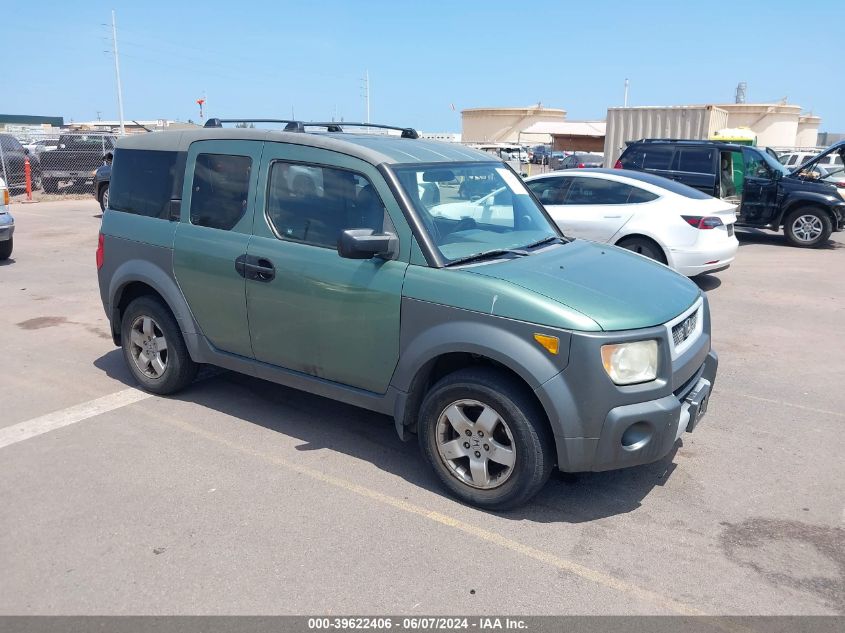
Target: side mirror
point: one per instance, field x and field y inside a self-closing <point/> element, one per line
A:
<point x="778" y="175"/>
<point x="366" y="244"/>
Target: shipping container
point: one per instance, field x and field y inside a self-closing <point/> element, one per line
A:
<point x="631" y="124"/>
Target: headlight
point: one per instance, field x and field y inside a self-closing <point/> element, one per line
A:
<point x="629" y="363"/>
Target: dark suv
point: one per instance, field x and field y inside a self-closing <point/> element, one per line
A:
<point x="767" y="194"/>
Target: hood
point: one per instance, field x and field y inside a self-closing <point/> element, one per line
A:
<point x="617" y="289"/>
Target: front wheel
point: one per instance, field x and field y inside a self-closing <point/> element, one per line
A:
<point x="154" y="348"/>
<point x="486" y="439"/>
<point x="808" y="227"/>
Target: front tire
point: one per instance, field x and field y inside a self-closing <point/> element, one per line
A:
<point x="486" y="439"/>
<point x="154" y="349"/>
<point x="6" y="249"/>
<point x="808" y="227"/>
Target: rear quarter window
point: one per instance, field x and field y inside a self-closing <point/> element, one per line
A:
<point x="143" y="182"/>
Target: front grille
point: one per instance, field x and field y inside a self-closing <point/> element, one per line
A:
<point x="683" y="330"/>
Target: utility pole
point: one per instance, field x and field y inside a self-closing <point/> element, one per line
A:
<point x="627" y="83"/>
<point x="117" y="73"/>
<point x="366" y="92"/>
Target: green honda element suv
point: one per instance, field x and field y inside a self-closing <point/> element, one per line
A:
<point x="333" y="262"/>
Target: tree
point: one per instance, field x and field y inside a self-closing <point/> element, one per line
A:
<point x="245" y="125"/>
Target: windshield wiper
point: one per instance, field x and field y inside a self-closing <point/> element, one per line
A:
<point x="477" y="257"/>
<point x="547" y="240"/>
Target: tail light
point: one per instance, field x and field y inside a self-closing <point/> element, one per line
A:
<point x="618" y="165"/>
<point x="581" y="165"/>
<point x="101" y="251"/>
<point x="702" y="222"/>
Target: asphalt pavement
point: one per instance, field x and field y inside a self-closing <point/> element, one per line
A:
<point x="239" y="496"/>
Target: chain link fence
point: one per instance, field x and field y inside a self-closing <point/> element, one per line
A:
<point x="61" y="164"/>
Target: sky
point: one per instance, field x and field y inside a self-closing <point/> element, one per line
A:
<point x="426" y="60"/>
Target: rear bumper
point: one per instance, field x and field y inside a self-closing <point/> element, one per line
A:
<point x="695" y="262"/>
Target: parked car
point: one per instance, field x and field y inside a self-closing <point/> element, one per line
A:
<point x="44" y="145"/>
<point x="768" y="195"/>
<point x="667" y="221"/>
<point x="102" y="176"/>
<point x="556" y="159"/>
<point x="582" y="161"/>
<point x="540" y="154"/>
<point x="74" y="161"/>
<point x="14" y="156"/>
<point x="7" y="223"/>
<point x="794" y="160"/>
<point x="506" y="348"/>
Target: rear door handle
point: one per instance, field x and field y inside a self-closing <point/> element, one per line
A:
<point x="260" y="269"/>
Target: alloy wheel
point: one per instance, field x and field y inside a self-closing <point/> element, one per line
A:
<point x="148" y="347"/>
<point x="807" y="228"/>
<point x="475" y="444"/>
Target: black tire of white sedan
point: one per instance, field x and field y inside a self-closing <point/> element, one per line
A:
<point x="154" y="348"/>
<point x="6" y="249"/>
<point x="486" y="439"/>
<point x="808" y="227"/>
<point x="644" y="247"/>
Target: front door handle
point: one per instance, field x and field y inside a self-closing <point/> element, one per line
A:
<point x="240" y="265"/>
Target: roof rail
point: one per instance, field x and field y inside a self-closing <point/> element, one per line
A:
<point x="331" y="126"/>
<point x="291" y="126"/>
<point x="677" y="140"/>
<point x="335" y="126"/>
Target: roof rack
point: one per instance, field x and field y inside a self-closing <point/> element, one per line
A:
<point x="676" y="140"/>
<point x="299" y="126"/>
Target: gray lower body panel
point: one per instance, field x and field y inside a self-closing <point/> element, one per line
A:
<point x="638" y="433"/>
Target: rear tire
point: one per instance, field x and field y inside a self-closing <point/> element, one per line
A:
<point x="807" y="227"/>
<point x="486" y="439"/>
<point x="643" y="246"/>
<point x="103" y="197"/>
<point x="6" y="249"/>
<point x="154" y="348"/>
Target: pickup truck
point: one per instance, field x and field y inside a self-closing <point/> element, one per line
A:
<point x="73" y="162"/>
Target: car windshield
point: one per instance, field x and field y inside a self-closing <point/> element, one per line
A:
<point x="772" y="163"/>
<point x="470" y="209"/>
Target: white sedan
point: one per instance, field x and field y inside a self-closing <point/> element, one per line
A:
<point x="656" y="217"/>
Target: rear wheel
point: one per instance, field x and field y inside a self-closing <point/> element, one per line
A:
<point x="486" y="440"/>
<point x="104" y="197"/>
<point x="154" y="348"/>
<point x="6" y="249"/>
<point x="644" y="246"/>
<point x="808" y="227"/>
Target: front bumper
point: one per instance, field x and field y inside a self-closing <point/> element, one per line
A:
<point x="7" y="227"/>
<point x="601" y="426"/>
<point x="644" y="432"/>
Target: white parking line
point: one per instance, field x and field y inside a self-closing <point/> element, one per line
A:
<point x="77" y="413"/>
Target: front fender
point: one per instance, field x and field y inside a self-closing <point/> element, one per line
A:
<point x="809" y="198"/>
<point x="431" y="330"/>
